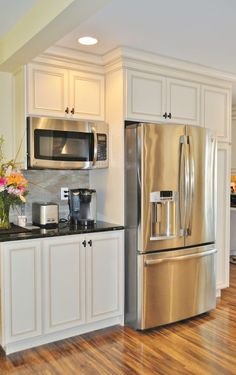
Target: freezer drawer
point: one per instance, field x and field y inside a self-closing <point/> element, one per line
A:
<point x="175" y="285"/>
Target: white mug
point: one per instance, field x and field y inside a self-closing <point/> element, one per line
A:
<point x="21" y="221"/>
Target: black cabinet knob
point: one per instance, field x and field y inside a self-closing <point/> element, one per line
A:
<point x="90" y="242"/>
<point x="165" y="115"/>
<point x="67" y="110"/>
<point x="84" y="243"/>
<point x="72" y="111"/>
<point x="169" y="115"/>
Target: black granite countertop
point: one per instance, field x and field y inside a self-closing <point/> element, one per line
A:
<point x="64" y="229"/>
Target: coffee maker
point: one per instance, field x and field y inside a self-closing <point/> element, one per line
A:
<point x="82" y="206"/>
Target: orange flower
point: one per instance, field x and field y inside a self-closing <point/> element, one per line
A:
<point x="16" y="179"/>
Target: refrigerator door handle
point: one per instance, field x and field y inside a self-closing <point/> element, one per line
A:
<point x="183" y="184"/>
<point x="191" y="186"/>
<point x="214" y="161"/>
<point x="152" y="262"/>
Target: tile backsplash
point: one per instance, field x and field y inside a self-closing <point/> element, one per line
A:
<point x="45" y="186"/>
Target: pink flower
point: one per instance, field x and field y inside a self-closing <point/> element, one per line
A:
<point x="12" y="190"/>
<point x="21" y="188"/>
<point x="2" y="181"/>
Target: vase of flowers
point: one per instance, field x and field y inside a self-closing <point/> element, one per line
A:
<point x="13" y="187"/>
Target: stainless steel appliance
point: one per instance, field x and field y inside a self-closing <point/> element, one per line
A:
<point x="66" y="144"/>
<point x="45" y="214"/>
<point x="82" y="205"/>
<point x="170" y="223"/>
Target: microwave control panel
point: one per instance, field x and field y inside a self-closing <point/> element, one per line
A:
<point x="102" y="147"/>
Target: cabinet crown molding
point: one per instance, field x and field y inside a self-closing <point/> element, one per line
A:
<point x="125" y="56"/>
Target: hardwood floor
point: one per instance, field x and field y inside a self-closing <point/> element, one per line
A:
<point x="202" y="345"/>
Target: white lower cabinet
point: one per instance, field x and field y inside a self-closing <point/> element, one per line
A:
<point x="20" y="290"/>
<point x="59" y="287"/>
<point x="104" y="276"/>
<point x="64" y="283"/>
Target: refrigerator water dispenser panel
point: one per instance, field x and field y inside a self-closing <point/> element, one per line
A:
<point x="163" y="214"/>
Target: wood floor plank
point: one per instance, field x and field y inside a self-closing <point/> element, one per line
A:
<point x="204" y="345"/>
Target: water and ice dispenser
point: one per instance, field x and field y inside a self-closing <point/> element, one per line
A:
<point x="163" y="214"/>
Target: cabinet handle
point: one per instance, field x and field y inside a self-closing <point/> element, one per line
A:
<point x="84" y="243"/>
<point x="165" y="115"/>
<point x="169" y="115"/>
<point x="72" y="111"/>
<point x="90" y="243"/>
<point x="67" y="110"/>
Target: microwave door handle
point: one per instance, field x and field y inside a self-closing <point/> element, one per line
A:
<point x="95" y="143"/>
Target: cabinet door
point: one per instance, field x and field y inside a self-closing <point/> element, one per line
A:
<point x="223" y="216"/>
<point x="145" y="96"/>
<point x="183" y="101"/>
<point x="21" y="287"/>
<point x="86" y="95"/>
<point x="64" y="283"/>
<point x="105" y="275"/>
<point x="47" y="90"/>
<point x="216" y="111"/>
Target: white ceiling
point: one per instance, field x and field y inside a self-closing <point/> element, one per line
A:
<point x="11" y="12"/>
<point x="199" y="31"/>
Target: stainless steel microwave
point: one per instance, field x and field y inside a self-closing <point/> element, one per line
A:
<point x="66" y="144"/>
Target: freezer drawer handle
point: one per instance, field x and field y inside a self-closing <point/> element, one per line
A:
<point x="181" y="257"/>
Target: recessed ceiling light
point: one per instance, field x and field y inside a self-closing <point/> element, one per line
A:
<point x="87" y="40"/>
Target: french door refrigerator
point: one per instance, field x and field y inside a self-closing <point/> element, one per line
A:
<point x="170" y="193"/>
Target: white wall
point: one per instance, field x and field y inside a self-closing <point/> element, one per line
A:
<point x="109" y="183"/>
<point x="233" y="140"/>
<point x="6" y="113"/>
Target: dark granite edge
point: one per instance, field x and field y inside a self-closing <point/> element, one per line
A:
<point x="62" y="230"/>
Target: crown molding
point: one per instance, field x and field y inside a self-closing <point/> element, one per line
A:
<point x="130" y="57"/>
<point x="131" y="54"/>
<point x="71" y="59"/>
<point x="73" y="55"/>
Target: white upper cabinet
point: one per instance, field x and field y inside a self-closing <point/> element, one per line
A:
<point x="86" y="95"/>
<point x="47" y="90"/>
<point x="145" y="96"/>
<point x="183" y="101"/>
<point x="152" y="97"/>
<point x="54" y="91"/>
<point x="216" y="111"/>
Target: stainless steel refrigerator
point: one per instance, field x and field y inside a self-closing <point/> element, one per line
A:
<point x="170" y="223"/>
